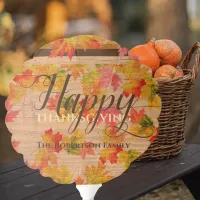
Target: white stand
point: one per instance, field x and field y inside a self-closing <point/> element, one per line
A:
<point x="88" y="192"/>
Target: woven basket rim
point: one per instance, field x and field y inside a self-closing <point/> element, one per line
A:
<point x="187" y="77"/>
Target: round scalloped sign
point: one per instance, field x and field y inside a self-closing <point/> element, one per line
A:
<point x="81" y="111"/>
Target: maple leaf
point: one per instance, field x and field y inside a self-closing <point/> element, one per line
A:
<point x="79" y="181"/>
<point x="86" y="150"/>
<point x="70" y="51"/>
<point x="75" y="138"/>
<point x="153" y="138"/>
<point x="105" y="78"/>
<point x="53" y="140"/>
<point x="97" y="175"/>
<point x="105" y="114"/>
<point x="76" y="70"/>
<point x="59" y="174"/>
<point x="17" y="93"/>
<point x="15" y="145"/>
<point x="26" y="80"/>
<point x="26" y="76"/>
<point x="43" y="157"/>
<point x="136" y="115"/>
<point x="88" y="42"/>
<point x="11" y="116"/>
<point x="116" y="80"/>
<point x="8" y="105"/>
<point x="126" y="157"/>
<point x="123" y="52"/>
<point x="133" y="87"/>
<point x="52" y="102"/>
<point x="110" y="154"/>
<point x="89" y="81"/>
<point x="58" y="48"/>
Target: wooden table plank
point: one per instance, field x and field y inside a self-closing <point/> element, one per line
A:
<point x="57" y="192"/>
<point x="25" y="186"/>
<point x="11" y="166"/>
<point x="16" y="174"/>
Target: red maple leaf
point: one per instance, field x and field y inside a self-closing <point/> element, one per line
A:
<point x="52" y="102"/>
<point x="136" y="115"/>
<point x="106" y="74"/>
<point x="153" y="138"/>
<point x="26" y="76"/>
<point x="11" y="116"/>
<point x="70" y="51"/>
<point x="123" y="52"/>
<point x="86" y="150"/>
<point x="52" y="139"/>
<point x="15" y="145"/>
<point x="60" y="47"/>
<point x="8" y="105"/>
<point x="116" y="80"/>
<point x="110" y="154"/>
<point x="105" y="114"/>
<point x="137" y="90"/>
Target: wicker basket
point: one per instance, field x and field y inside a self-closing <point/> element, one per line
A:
<point x="175" y="102"/>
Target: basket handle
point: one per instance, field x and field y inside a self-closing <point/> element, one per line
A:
<point x="187" y="58"/>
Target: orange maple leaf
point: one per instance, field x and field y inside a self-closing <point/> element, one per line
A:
<point x="79" y="181"/>
<point x="97" y="175"/>
<point x="53" y="140"/>
<point x="76" y="70"/>
<point x="110" y="154"/>
<point x="88" y="42"/>
<point x="43" y="157"/>
<point x="86" y="150"/>
<point x="60" y="47"/>
<point x="153" y="138"/>
<point x="136" y="115"/>
<point x="133" y="87"/>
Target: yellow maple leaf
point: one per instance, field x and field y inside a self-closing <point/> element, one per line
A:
<point x="43" y="157"/>
<point x="75" y="138"/>
<point x="76" y="69"/>
<point x="155" y="102"/>
<point x="59" y="175"/>
<point x="97" y="175"/>
<point x="17" y="93"/>
<point x="127" y="157"/>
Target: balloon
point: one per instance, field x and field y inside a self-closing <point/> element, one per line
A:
<point x="81" y="113"/>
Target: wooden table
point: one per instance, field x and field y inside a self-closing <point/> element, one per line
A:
<point x="19" y="182"/>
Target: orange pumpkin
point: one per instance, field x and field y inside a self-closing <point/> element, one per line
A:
<point x="147" y="55"/>
<point x="167" y="71"/>
<point x="169" y="52"/>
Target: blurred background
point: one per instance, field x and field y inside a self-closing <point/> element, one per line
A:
<point x="26" y="25"/>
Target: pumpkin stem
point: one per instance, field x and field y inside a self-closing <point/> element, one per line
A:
<point x="153" y="39"/>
